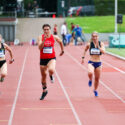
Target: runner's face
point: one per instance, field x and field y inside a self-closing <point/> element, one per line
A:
<point x="46" y="30"/>
<point x="94" y="37"/>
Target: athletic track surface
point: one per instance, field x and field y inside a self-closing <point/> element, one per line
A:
<point x="69" y="101"/>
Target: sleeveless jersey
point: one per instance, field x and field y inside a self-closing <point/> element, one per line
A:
<point x="2" y="51"/>
<point x="48" y="51"/>
<point x="93" y="50"/>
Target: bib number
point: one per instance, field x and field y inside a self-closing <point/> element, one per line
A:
<point x="47" y="50"/>
<point x="2" y="53"/>
<point x="95" y="51"/>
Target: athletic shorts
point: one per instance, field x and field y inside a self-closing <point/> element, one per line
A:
<point x="95" y="64"/>
<point x="2" y="62"/>
<point x="45" y="61"/>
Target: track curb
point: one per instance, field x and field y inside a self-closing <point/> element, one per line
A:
<point x="117" y="56"/>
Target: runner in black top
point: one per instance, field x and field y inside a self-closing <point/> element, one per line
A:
<point x="96" y="48"/>
<point x="3" y="64"/>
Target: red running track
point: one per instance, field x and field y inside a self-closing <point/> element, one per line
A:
<point x="69" y="101"/>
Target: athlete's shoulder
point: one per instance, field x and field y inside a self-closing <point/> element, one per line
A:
<point x="5" y="45"/>
<point x="101" y="43"/>
<point x="89" y="43"/>
<point x="55" y="37"/>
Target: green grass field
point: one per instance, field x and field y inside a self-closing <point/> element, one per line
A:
<point x="101" y="24"/>
<point x="117" y="51"/>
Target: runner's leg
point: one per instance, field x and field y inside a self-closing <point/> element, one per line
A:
<point x="3" y="72"/>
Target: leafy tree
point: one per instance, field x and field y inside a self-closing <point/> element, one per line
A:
<point x="26" y="2"/>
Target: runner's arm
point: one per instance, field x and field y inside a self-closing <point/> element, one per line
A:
<point x="84" y="53"/>
<point x="102" y="48"/>
<point x="40" y="42"/>
<point x="60" y="43"/>
<point x="10" y="52"/>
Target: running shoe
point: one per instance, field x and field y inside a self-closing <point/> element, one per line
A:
<point x="52" y="79"/>
<point x="1" y="79"/>
<point x="95" y="93"/>
<point x="90" y="83"/>
<point x="43" y="95"/>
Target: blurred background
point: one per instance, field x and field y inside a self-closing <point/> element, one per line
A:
<point x="18" y="17"/>
<point x="61" y="8"/>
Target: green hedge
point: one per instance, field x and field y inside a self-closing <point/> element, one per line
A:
<point x="102" y="7"/>
<point x="107" y="7"/>
<point x="26" y="2"/>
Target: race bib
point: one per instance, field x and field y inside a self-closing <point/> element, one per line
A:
<point x="95" y="51"/>
<point x="47" y="50"/>
<point x="2" y="53"/>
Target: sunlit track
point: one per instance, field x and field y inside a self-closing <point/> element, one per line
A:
<point x="17" y="91"/>
<point x="68" y="99"/>
<point x="83" y="67"/>
<point x="114" y="67"/>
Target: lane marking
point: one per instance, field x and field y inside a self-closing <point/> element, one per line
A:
<point x="83" y="67"/>
<point x="3" y="120"/>
<point x="68" y="99"/>
<point x="45" y="108"/>
<point x="17" y="91"/>
<point x="63" y="124"/>
<point x="121" y="71"/>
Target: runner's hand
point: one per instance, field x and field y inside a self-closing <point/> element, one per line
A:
<point x="44" y="38"/>
<point x="11" y="61"/>
<point x="61" y="53"/>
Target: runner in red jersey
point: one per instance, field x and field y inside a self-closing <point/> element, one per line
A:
<point x="47" y="56"/>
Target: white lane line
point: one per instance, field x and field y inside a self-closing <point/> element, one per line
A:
<point x="83" y="67"/>
<point x="120" y="57"/>
<point x="68" y="99"/>
<point x="121" y="71"/>
<point x="112" y="91"/>
<point x="17" y="91"/>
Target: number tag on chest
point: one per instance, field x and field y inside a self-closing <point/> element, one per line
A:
<point x="95" y="51"/>
<point x="47" y="50"/>
<point x="2" y="53"/>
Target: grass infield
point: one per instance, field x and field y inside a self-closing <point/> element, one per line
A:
<point x="101" y="24"/>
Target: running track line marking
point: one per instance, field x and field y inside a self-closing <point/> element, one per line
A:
<point x="114" y="67"/>
<point x="83" y="67"/>
<point x="17" y="91"/>
<point x="121" y="71"/>
<point x="68" y="99"/>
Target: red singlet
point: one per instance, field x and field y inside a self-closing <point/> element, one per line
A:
<point x="48" y="51"/>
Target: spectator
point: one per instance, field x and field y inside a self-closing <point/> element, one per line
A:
<point x="35" y="5"/>
<point x="72" y="32"/>
<point x="63" y="33"/>
<point x="29" y="7"/>
<point x="78" y="33"/>
<point x="55" y="30"/>
<point x="72" y="26"/>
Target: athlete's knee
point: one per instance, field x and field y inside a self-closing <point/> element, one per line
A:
<point x="51" y="70"/>
<point x="90" y="73"/>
